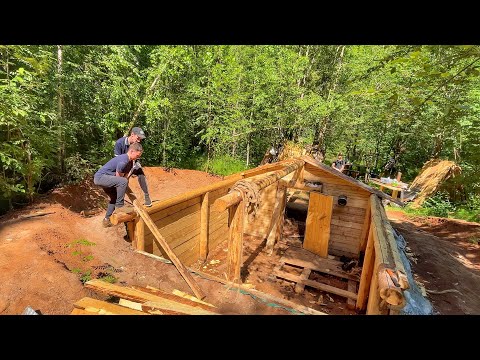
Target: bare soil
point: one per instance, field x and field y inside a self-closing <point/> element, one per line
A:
<point x="44" y="260"/>
<point x="445" y="258"/>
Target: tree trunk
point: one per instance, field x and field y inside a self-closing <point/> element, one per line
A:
<point x="326" y="120"/>
<point x="61" y="137"/>
<point x="248" y="150"/>
<point x="142" y="103"/>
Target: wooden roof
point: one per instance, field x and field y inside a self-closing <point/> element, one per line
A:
<point x="349" y="179"/>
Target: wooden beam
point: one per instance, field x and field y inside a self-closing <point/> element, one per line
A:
<point x="142" y="297"/>
<point x="367" y="272"/>
<point x="317" y="229"/>
<point x="299" y="287"/>
<point x="351" y="180"/>
<point x="104" y="308"/>
<point x="119" y="217"/>
<point x="261" y="182"/>
<point x="277" y="215"/>
<point x="352" y="287"/>
<point x="204" y="223"/>
<point x="163" y="243"/>
<point x="316" y="285"/>
<point x="366" y="228"/>
<point x="235" y="241"/>
<point x="140" y="235"/>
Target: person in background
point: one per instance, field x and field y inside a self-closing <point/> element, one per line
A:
<point x="113" y="178"/>
<point x="121" y="147"/>
<point x="339" y="164"/>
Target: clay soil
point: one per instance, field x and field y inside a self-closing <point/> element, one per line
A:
<point x="44" y="260"/>
<point x="445" y="258"/>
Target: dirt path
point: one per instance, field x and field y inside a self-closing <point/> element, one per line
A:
<point x="446" y="256"/>
<point x="42" y="259"/>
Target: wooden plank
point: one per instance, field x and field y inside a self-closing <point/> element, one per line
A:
<point x="104" y="308"/>
<point x="311" y="163"/>
<point x="365" y="228"/>
<point x="317" y="229"/>
<point x="204" y="222"/>
<point x="179" y="299"/>
<point x="345" y="224"/>
<point x="299" y="287"/>
<point x="348" y="210"/>
<point x="82" y="312"/>
<point x="345" y="231"/>
<point x="173" y="209"/>
<point x="274" y="231"/>
<point x="140" y="234"/>
<point x="190" y="297"/>
<point x="352" y="287"/>
<point x="373" y="305"/>
<point x="351" y="218"/>
<point x="316" y="285"/>
<point x="130" y="304"/>
<point x="142" y="297"/>
<point x="160" y="223"/>
<point x="235" y="242"/>
<point x="171" y="255"/>
<point x="325" y="268"/>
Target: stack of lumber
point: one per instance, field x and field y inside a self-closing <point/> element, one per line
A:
<point x="138" y="300"/>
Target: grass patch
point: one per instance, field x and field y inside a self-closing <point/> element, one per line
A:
<point x="219" y="165"/>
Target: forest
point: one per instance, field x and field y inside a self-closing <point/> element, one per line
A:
<point x="219" y="108"/>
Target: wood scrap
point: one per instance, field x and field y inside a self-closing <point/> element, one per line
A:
<point x="36" y="215"/>
<point x="439" y="292"/>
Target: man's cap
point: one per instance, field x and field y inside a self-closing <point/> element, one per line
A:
<point x="138" y="131"/>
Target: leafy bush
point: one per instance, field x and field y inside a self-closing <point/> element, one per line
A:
<point x="224" y="165"/>
<point x="77" y="169"/>
<point x="439" y="205"/>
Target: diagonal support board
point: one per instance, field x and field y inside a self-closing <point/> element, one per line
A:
<point x="163" y="243"/>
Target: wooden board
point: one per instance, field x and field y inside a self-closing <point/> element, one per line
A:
<point x="317" y="230"/>
<point x="302" y="258"/>
<point x="315" y="284"/>
<point x="104" y="308"/>
<point x="352" y="287"/>
<point x="259" y="225"/>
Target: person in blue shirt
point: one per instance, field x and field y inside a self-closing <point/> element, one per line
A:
<point x="121" y="147"/>
<point x="113" y="178"/>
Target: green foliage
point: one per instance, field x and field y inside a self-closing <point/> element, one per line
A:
<point x="223" y="165"/>
<point x="205" y="105"/>
<point x="77" y="169"/>
<point x="80" y="242"/>
<point x="439" y="205"/>
<point x="109" y="278"/>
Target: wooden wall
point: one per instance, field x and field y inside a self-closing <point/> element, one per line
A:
<point x="179" y="224"/>
<point x="259" y="225"/>
<point x="347" y="227"/>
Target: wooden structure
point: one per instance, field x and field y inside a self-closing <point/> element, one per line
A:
<point x="185" y="228"/>
<point x="395" y="189"/>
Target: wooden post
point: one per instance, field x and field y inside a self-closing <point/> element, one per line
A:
<point x="317" y="228"/>
<point x="367" y="272"/>
<point x="204" y="220"/>
<point x="366" y="227"/>
<point x="163" y="243"/>
<point x="277" y="218"/>
<point x="131" y="230"/>
<point x="235" y="241"/>
<point x="399" y="176"/>
<point x="140" y="235"/>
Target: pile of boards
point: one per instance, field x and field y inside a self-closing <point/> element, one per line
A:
<point x="138" y="300"/>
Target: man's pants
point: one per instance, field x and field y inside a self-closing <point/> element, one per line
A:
<point x="115" y="187"/>
<point x="142" y="180"/>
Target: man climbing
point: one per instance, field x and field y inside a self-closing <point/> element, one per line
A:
<point x="121" y="147"/>
<point x="113" y="178"/>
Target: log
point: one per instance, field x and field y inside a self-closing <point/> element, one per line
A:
<point x="234" y="197"/>
<point x="235" y="242"/>
<point x="274" y="229"/>
<point x="180" y="267"/>
<point x="140" y="235"/>
<point x="389" y="292"/>
<point x="120" y="217"/>
<point x="204" y="222"/>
